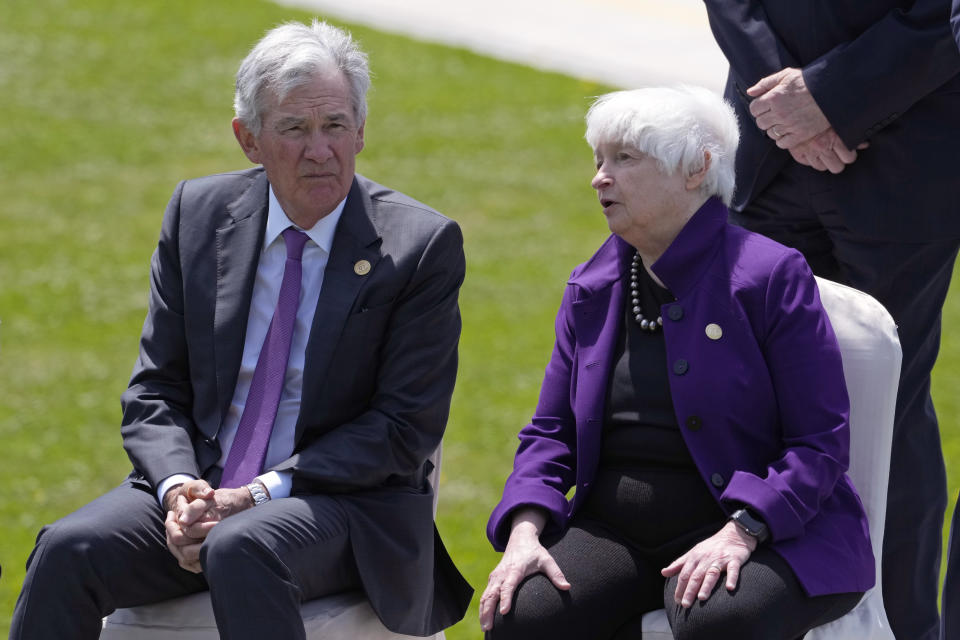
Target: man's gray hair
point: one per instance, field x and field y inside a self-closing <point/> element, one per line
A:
<point x="674" y="125"/>
<point x="291" y="55"/>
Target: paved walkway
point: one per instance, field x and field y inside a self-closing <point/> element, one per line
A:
<point x="625" y="43"/>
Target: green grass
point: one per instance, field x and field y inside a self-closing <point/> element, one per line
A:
<point x="107" y="105"/>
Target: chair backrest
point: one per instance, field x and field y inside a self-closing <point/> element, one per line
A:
<point x="871" y="366"/>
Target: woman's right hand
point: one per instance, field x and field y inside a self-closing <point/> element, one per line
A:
<point x="523" y="556"/>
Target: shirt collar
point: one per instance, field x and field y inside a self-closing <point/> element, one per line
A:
<point x="321" y="233"/>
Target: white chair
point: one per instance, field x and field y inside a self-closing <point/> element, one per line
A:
<point x="871" y="365"/>
<point x="343" y="616"/>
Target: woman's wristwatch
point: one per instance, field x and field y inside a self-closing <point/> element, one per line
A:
<point x="751" y="525"/>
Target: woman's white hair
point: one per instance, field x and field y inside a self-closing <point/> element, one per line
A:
<point x="674" y="125"/>
<point x="291" y="55"/>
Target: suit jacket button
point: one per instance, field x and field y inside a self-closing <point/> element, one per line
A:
<point x="717" y="480"/>
<point x="680" y="367"/>
<point x="675" y="312"/>
<point x="694" y="423"/>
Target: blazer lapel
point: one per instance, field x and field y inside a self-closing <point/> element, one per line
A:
<point x="356" y="239"/>
<point x="238" y="253"/>
<point x="598" y="319"/>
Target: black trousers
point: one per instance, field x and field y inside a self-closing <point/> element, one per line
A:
<point x="613" y="584"/>
<point x="911" y="280"/>
<point x="258" y="564"/>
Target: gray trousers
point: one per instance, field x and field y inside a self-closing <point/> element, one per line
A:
<point x="258" y="565"/>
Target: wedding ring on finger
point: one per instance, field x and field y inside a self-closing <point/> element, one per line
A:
<point x="776" y="133"/>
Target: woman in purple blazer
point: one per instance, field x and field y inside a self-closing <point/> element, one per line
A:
<point x="695" y="408"/>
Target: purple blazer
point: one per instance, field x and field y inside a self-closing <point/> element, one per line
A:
<point x="763" y="408"/>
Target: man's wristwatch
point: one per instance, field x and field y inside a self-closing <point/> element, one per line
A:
<point x="258" y="492"/>
<point x="751" y="525"/>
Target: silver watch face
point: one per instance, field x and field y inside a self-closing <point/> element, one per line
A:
<point x="257" y="493"/>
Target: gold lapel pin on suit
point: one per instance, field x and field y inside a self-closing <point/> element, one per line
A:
<point x="361" y="267"/>
<point x="713" y="331"/>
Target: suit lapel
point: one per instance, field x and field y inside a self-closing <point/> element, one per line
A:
<point x="356" y="239"/>
<point x="238" y="253"/>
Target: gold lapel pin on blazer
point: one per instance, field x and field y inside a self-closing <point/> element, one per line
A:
<point x="361" y="268"/>
<point x="713" y="331"/>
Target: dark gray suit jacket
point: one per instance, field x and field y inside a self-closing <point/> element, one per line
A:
<point x="883" y="72"/>
<point x="380" y="368"/>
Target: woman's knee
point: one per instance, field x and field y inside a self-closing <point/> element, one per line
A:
<point x="690" y="624"/>
<point x="539" y="610"/>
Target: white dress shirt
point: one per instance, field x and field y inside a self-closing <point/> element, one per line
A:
<point x="266" y="291"/>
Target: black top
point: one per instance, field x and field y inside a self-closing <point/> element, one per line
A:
<point x="640" y="427"/>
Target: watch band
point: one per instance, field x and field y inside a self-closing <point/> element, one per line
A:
<point x="750" y="524"/>
<point x="258" y="492"/>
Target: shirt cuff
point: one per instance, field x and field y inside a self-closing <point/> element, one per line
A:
<point x="169" y="481"/>
<point x="278" y="483"/>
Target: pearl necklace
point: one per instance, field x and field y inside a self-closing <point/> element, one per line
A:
<point x="647" y="325"/>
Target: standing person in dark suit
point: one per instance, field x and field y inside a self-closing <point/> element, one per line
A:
<point x="849" y="117"/>
<point x="950" y="618"/>
<point x="295" y="373"/>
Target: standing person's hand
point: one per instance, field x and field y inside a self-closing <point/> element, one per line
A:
<point x="784" y="108"/>
<point x="825" y="152"/>
<point x="699" y="569"/>
<point x="523" y="556"/>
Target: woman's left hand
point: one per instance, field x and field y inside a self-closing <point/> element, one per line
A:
<point x="699" y="569"/>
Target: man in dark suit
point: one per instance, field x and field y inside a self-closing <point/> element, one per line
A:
<point x="849" y="113"/>
<point x="295" y="373"/>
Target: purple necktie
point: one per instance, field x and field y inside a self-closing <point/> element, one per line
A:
<point x="253" y="433"/>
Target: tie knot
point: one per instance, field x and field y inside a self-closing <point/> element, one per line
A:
<point x="294" y="239"/>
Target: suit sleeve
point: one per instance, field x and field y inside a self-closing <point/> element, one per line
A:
<point x="806" y="369"/>
<point x="157" y="429"/>
<point x="407" y="413"/>
<point x="751" y="45"/>
<point x="861" y="85"/>
<point x="544" y="466"/>
<point x="864" y="85"/>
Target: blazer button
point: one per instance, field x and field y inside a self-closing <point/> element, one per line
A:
<point x="694" y="423"/>
<point x="717" y="480"/>
<point x="675" y="312"/>
<point x="680" y="367"/>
